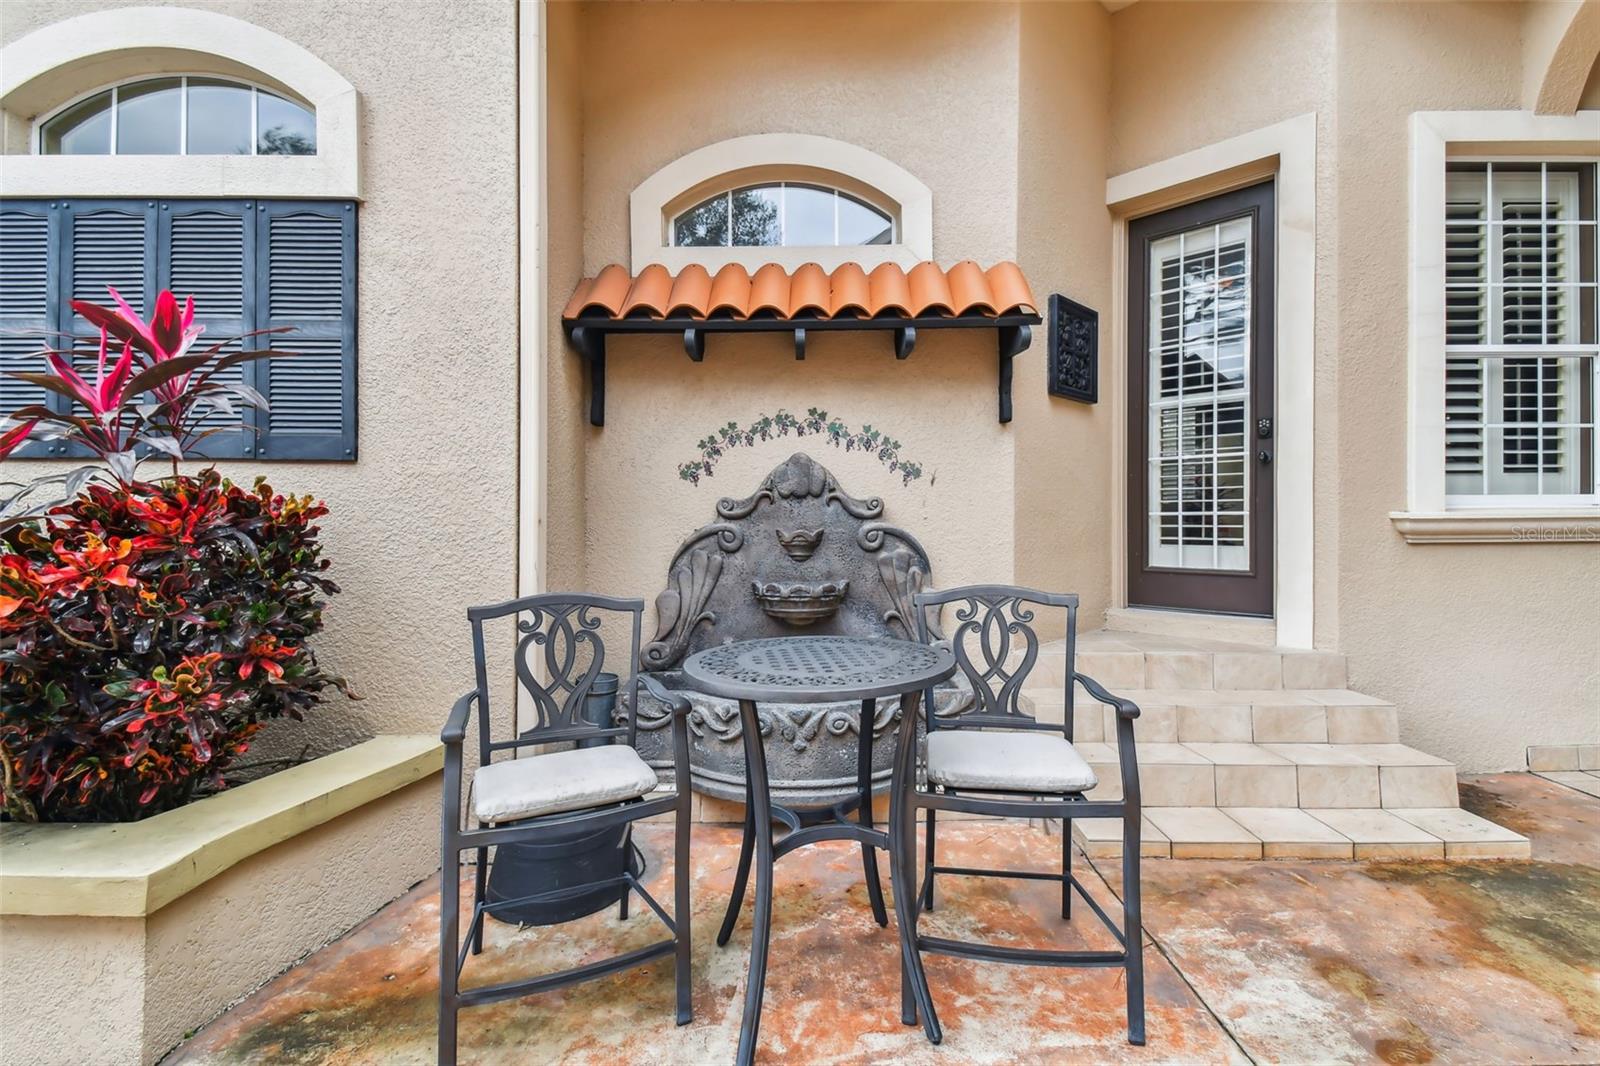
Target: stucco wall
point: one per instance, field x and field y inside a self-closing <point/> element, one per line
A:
<point x="932" y="88"/>
<point x="1063" y="448"/>
<point x="1485" y="648"/>
<point x="424" y="523"/>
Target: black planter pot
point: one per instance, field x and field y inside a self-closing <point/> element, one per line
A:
<point x="576" y="858"/>
<point x="573" y="860"/>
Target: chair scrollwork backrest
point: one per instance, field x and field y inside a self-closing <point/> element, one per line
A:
<point x="560" y="651"/>
<point x="996" y="646"/>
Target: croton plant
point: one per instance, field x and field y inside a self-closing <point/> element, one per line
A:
<point x="148" y="626"/>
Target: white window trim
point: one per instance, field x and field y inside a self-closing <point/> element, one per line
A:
<point x="1437" y="136"/>
<point x="883" y="183"/>
<point x="36" y="135"/>
<point x="1287" y="152"/>
<point x="334" y="172"/>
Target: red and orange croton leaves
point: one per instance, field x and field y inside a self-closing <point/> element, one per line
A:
<point x="147" y="631"/>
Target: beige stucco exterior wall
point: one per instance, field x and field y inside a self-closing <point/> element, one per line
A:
<point x="1485" y="648"/>
<point x="425" y="522"/>
<point x="932" y="88"/>
<point x="1063" y="448"/>
<point x="566" y="410"/>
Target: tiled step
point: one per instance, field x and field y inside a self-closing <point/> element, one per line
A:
<point x="1145" y="661"/>
<point x="1585" y="781"/>
<point x="1262" y="716"/>
<point x="1202" y="774"/>
<point x="1327" y="833"/>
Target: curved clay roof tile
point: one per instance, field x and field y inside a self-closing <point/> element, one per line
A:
<point x="890" y="289"/>
<point x="930" y="290"/>
<point x="691" y="291"/>
<point x="849" y="291"/>
<point x="1010" y="289"/>
<point x="608" y="290"/>
<point x="730" y="291"/>
<point x="969" y="289"/>
<point x="769" y="291"/>
<point x="650" y="292"/>
<point x="809" y="290"/>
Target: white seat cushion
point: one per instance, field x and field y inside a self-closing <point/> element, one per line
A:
<point x="559" y="781"/>
<point x="1019" y="762"/>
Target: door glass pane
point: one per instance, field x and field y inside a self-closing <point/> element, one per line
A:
<point x="219" y="117"/>
<point x="1198" y="407"/>
<point x="148" y="117"/>
<point x="284" y="127"/>
<point x="82" y="129"/>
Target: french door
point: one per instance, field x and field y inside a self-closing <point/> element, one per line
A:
<point x="1201" y="418"/>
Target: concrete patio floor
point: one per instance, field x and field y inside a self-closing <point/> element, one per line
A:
<point x="1272" y="961"/>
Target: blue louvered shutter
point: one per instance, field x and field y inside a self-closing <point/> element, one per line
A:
<point x="207" y="249"/>
<point x="106" y="244"/>
<point x="27" y="304"/>
<point x="250" y="264"/>
<point x="306" y="279"/>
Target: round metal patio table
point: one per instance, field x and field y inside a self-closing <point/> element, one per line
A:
<point x="821" y="669"/>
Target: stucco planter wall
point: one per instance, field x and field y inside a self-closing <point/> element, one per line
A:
<point x="118" y="939"/>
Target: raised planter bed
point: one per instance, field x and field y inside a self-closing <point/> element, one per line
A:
<point x="121" y="938"/>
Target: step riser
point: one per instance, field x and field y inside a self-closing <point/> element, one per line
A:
<point x="1244" y="723"/>
<point x="1288" y="786"/>
<point x="1118" y="670"/>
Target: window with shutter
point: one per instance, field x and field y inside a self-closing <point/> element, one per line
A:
<point x="1521" y="246"/>
<point x="250" y="264"/>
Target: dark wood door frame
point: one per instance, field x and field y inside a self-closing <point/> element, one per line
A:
<point x="1246" y="592"/>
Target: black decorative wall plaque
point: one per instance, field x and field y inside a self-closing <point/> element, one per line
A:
<point x="1074" y="350"/>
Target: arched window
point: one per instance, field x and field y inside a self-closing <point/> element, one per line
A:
<point x="786" y="198"/>
<point x="183" y="115"/>
<point x="782" y="214"/>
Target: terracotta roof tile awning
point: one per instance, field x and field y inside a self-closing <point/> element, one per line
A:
<point x="810" y="293"/>
<point x="808" y="302"/>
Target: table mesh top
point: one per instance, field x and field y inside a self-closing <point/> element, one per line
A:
<point x="817" y="665"/>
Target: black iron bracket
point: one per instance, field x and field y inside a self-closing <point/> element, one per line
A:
<point x="587" y="337"/>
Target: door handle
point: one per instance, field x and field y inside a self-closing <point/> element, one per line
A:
<point x="1264" y="456"/>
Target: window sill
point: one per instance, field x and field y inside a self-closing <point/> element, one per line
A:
<point x="1530" y="526"/>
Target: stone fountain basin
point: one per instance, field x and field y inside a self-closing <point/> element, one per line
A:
<point x="811" y="747"/>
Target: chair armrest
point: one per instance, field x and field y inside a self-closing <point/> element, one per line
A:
<point x="676" y="700"/>
<point x="1125" y="708"/>
<point x="455" y="727"/>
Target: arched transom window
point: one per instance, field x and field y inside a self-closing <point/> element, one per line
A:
<point x="782" y="214"/>
<point x="181" y="115"/>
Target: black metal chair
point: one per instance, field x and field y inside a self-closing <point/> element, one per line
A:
<point x="1022" y="772"/>
<point x="540" y="796"/>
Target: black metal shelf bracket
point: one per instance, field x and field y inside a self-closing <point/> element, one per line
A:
<point x="587" y="337"/>
<point x="1014" y="340"/>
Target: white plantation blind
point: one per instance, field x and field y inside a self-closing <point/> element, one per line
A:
<point x="1520" y="332"/>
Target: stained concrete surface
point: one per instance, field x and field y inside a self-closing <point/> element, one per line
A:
<point x="1246" y="961"/>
